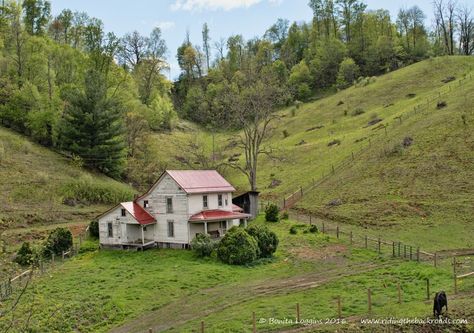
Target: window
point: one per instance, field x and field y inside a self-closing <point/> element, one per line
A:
<point x="170" y="228"/>
<point x="169" y="205"/>
<point x="219" y="200"/>
<point x="110" y="230"/>
<point x="145" y="203"/>
<point x="124" y="212"/>
<point x="204" y="201"/>
<point x="144" y="228"/>
<point x="226" y="202"/>
<point x="223" y="225"/>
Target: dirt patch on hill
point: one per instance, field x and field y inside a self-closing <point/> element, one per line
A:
<point x="308" y="253"/>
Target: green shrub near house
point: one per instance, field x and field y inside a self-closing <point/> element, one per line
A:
<point x="203" y="245"/>
<point x="94" y="229"/>
<point x="272" y="213"/>
<point x="59" y="240"/>
<point x="238" y="247"/>
<point x="266" y="239"/>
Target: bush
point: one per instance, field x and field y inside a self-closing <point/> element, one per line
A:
<point x="271" y="213"/>
<point x="88" y="246"/>
<point x="202" y="245"/>
<point x="59" y="240"/>
<point x="266" y="239"/>
<point x="293" y="230"/>
<point x="313" y="229"/>
<point x="285" y="134"/>
<point x="94" y="229"/>
<point x="284" y="215"/>
<point x="24" y="256"/>
<point x="237" y="247"/>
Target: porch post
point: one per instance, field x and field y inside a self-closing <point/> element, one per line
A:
<point x="226" y="225"/>
<point x="245" y="222"/>
<point x="205" y="228"/>
<point x="143" y="237"/>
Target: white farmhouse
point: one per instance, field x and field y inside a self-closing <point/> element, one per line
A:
<point x="178" y="206"/>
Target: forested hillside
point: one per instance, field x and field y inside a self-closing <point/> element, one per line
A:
<point x="101" y="98"/>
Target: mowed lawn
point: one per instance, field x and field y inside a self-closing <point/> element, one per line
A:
<point x="172" y="290"/>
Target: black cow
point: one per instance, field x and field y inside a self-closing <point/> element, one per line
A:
<point x="440" y="300"/>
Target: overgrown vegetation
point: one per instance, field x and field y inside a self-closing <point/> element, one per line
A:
<point x="272" y="213"/>
<point x="237" y="247"/>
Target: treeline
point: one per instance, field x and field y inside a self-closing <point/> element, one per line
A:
<point x="343" y="42"/>
<point x="71" y="86"/>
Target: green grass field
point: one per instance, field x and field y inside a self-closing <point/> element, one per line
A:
<point x="171" y="290"/>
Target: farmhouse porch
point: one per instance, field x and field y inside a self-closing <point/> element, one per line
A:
<point x="215" y="222"/>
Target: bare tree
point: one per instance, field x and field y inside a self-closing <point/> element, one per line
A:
<point x="445" y="14"/>
<point x="253" y="100"/>
<point x="466" y="30"/>
<point x="133" y="48"/>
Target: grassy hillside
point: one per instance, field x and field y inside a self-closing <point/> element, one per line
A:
<point x="40" y="189"/>
<point x="427" y="186"/>
<point x="172" y="291"/>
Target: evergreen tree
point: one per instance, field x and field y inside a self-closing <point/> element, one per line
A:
<point x="92" y="127"/>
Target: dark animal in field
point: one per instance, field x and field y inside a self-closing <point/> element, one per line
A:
<point x="440" y="301"/>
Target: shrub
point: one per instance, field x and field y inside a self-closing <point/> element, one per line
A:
<point x="285" y="215"/>
<point x="202" y="245"/>
<point x="271" y="213"/>
<point x="59" y="240"/>
<point x="267" y="240"/>
<point x="285" y="134"/>
<point x="293" y="230"/>
<point x="237" y="247"/>
<point x="24" y="256"/>
<point x="94" y="229"/>
<point x="313" y="229"/>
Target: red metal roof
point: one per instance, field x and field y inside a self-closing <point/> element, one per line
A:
<point x="200" y="181"/>
<point x="138" y="213"/>
<point x="236" y="208"/>
<point x="217" y="215"/>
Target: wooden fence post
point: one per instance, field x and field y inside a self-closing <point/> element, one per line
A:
<point x="427" y="289"/>
<point x="393" y="249"/>
<point x="399" y="248"/>
<point x="418" y="254"/>
<point x="378" y="245"/>
<point x="62" y="256"/>
<point x="366" y="244"/>
<point x="454" y="276"/>
<point x="339" y="307"/>
<point x="435" y="259"/>
<point x="332" y="166"/>
<point x="369" y="300"/>
<point x="202" y="326"/>
<point x="150" y="330"/>
<point x="399" y="293"/>
<point x="254" y="323"/>
<point x="404" y="251"/>
<point x="298" y="313"/>
<point x="310" y="220"/>
<point x="351" y="237"/>
<point x="324" y="229"/>
<point x="52" y="258"/>
<point x="410" y="252"/>
<point x="301" y="190"/>
<point x="337" y="231"/>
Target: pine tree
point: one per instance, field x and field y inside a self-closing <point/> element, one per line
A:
<point x="92" y="127"/>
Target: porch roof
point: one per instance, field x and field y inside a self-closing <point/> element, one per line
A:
<point x="139" y="214"/>
<point x="217" y="215"/>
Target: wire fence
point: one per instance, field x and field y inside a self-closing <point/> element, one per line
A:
<point x="39" y="268"/>
<point x="290" y="200"/>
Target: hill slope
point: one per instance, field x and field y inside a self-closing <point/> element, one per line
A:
<point x="429" y="184"/>
<point x="40" y="188"/>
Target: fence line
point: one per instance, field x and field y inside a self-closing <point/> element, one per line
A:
<point x="16" y="282"/>
<point x="289" y="201"/>
<point x="338" y="305"/>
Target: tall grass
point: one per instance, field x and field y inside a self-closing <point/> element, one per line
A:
<point x="92" y="191"/>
